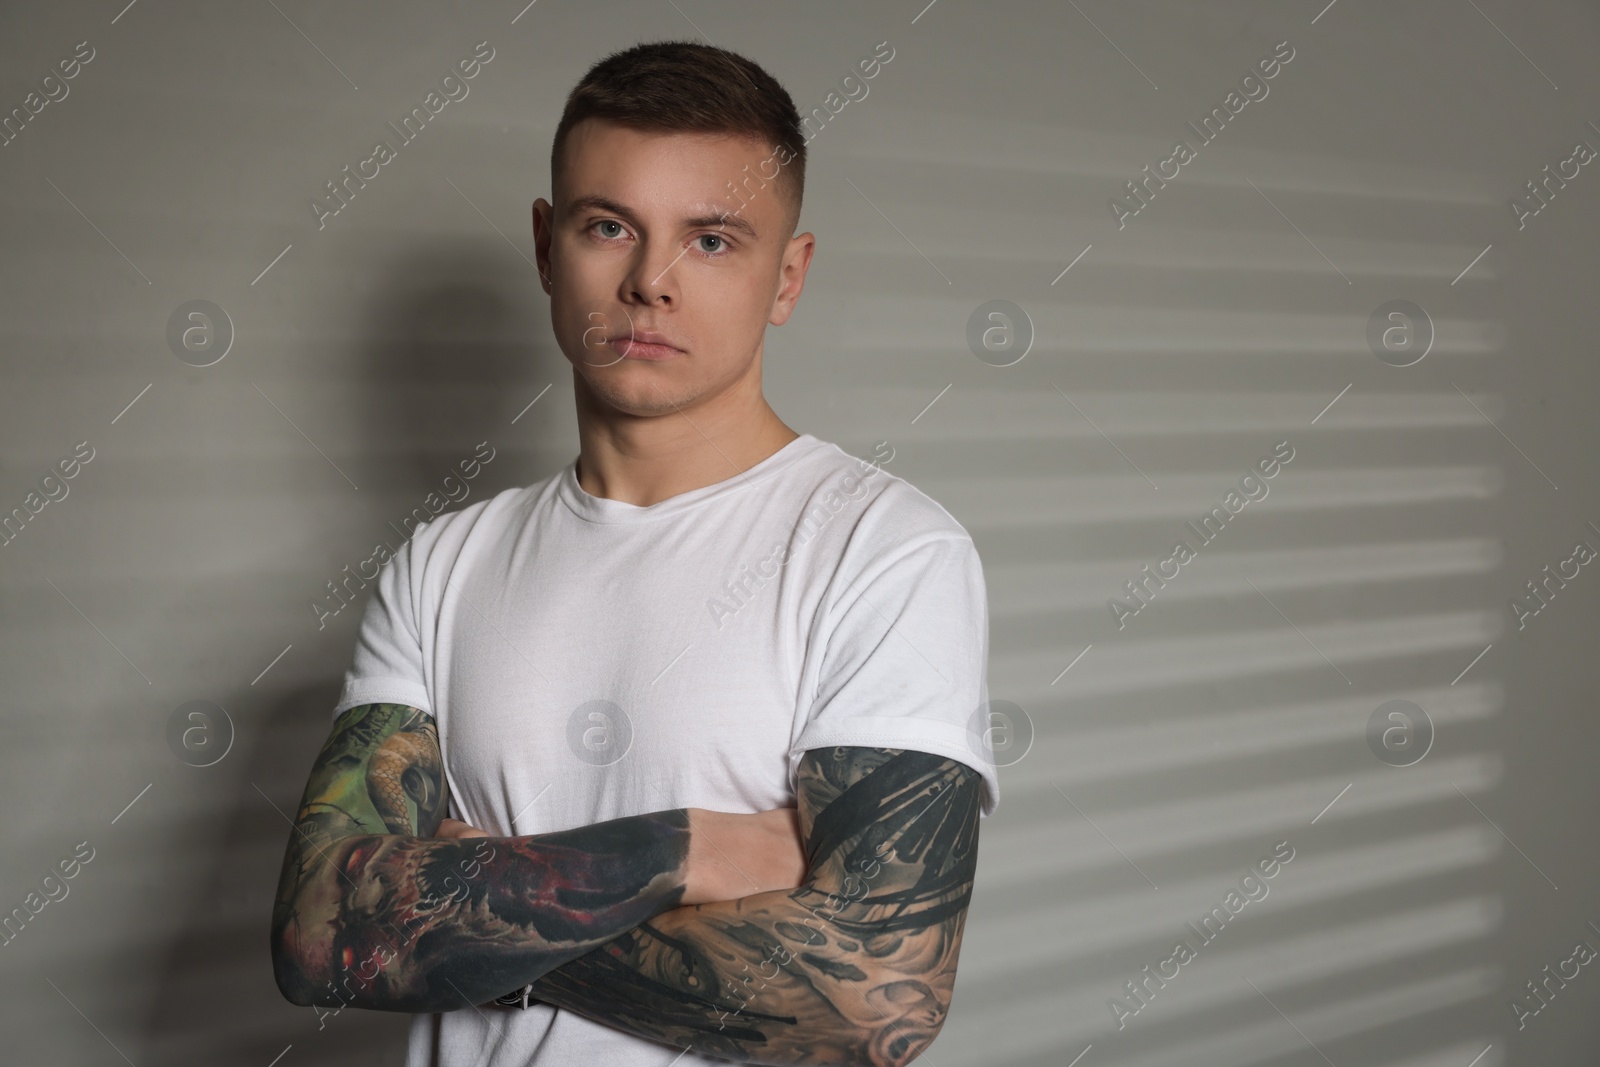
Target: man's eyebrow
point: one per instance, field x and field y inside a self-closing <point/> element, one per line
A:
<point x="596" y="202"/>
<point x="721" y="219"/>
<point x="729" y="220"/>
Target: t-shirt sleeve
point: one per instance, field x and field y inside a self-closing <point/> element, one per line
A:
<point x="387" y="666"/>
<point x="904" y="659"/>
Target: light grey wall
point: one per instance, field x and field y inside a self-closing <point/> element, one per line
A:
<point x="1226" y="316"/>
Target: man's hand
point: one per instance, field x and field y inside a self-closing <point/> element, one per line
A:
<point x="733" y="856"/>
<point x="730" y="856"/>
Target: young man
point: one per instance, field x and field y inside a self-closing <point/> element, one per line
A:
<point x="708" y="706"/>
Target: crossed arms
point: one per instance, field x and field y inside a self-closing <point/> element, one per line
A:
<point x="854" y="966"/>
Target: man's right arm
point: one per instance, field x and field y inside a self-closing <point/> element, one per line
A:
<point x="372" y="911"/>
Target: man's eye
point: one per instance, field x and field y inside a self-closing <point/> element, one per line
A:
<point x="610" y="222"/>
<point x="722" y="244"/>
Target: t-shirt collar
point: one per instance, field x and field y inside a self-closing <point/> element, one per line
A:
<point x="604" y="510"/>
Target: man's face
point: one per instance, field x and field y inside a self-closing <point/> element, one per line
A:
<point x="648" y="239"/>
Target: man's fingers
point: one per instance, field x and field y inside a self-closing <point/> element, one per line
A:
<point x="455" y="828"/>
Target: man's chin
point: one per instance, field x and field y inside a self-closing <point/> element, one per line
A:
<point x="639" y="397"/>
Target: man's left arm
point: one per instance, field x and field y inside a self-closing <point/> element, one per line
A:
<point x="856" y="966"/>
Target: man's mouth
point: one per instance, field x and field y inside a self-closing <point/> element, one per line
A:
<point x="643" y="346"/>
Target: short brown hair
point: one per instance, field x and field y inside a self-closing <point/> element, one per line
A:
<point x="671" y="86"/>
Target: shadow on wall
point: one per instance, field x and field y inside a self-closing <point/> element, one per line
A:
<point x="454" y="347"/>
<point x="216" y="1000"/>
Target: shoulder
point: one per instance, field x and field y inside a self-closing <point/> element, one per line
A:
<point x="444" y="538"/>
<point x="889" y="515"/>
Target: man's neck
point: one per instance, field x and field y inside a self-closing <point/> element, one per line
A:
<point x="643" y="461"/>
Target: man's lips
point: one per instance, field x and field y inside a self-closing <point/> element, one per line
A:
<point x="643" y="346"/>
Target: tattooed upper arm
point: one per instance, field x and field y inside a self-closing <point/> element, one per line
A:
<point x="380" y="771"/>
<point x="895" y="832"/>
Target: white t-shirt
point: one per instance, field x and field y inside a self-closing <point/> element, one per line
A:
<point x="587" y="659"/>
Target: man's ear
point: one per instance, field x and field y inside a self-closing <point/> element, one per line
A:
<point x="543" y="225"/>
<point x="792" y="276"/>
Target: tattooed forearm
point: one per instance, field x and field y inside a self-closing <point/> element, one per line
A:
<point x="371" y="912"/>
<point x="854" y="967"/>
